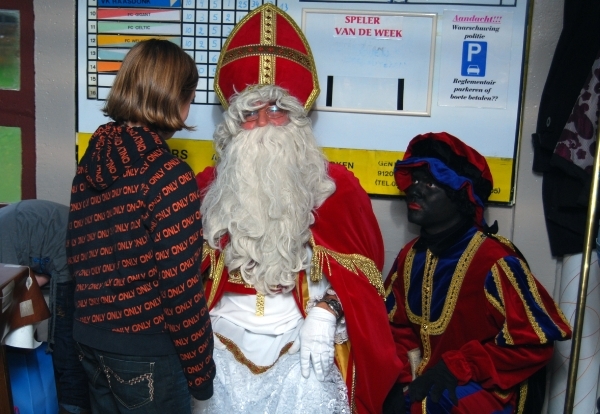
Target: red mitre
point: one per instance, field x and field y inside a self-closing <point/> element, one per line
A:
<point x="267" y="48"/>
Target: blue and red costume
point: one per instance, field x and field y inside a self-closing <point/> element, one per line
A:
<point x="471" y="301"/>
<point x="487" y="317"/>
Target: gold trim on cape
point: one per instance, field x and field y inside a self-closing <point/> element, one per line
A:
<point x="235" y="276"/>
<point x="205" y="251"/>
<point x="351" y="262"/>
<point x="216" y="270"/>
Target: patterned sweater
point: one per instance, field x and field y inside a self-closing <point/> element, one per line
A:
<point x="133" y="247"/>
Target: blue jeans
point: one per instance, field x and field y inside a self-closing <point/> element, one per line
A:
<point x="71" y="381"/>
<point x="135" y="384"/>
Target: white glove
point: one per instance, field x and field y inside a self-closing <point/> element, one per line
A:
<point x="315" y="342"/>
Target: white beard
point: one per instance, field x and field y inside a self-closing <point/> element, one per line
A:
<point x="269" y="180"/>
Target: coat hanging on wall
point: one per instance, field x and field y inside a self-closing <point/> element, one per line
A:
<point x="565" y="187"/>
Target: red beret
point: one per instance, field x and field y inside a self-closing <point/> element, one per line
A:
<point x="451" y="162"/>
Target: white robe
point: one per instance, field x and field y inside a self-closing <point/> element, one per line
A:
<point x="281" y="388"/>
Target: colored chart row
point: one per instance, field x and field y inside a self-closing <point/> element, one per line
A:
<point x="200" y="27"/>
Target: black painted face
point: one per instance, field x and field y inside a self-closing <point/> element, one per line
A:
<point x="428" y="204"/>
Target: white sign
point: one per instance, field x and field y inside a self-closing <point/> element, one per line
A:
<point x="475" y="59"/>
<point x="372" y="62"/>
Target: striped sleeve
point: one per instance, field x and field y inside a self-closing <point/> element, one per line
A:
<point x="530" y="315"/>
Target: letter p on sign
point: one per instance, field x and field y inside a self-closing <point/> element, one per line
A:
<point x="474" y="56"/>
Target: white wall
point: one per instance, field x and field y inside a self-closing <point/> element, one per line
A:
<point x="55" y="98"/>
<point x="55" y="129"/>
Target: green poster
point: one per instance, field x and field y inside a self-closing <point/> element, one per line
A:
<point x="10" y="164"/>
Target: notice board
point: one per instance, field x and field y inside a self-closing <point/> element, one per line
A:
<point x="388" y="71"/>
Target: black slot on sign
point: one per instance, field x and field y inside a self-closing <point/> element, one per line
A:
<point x="400" y="104"/>
<point x="329" y="96"/>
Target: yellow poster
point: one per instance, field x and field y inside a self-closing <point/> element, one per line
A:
<point x="200" y="154"/>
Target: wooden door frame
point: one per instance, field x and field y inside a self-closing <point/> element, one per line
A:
<point x="17" y="108"/>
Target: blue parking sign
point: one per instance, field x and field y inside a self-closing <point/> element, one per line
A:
<point x="473" y="58"/>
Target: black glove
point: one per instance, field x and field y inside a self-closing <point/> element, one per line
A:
<point x="394" y="402"/>
<point x="440" y="378"/>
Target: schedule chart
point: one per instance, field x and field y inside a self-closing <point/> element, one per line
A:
<point x="200" y="27"/>
<point x="388" y="70"/>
